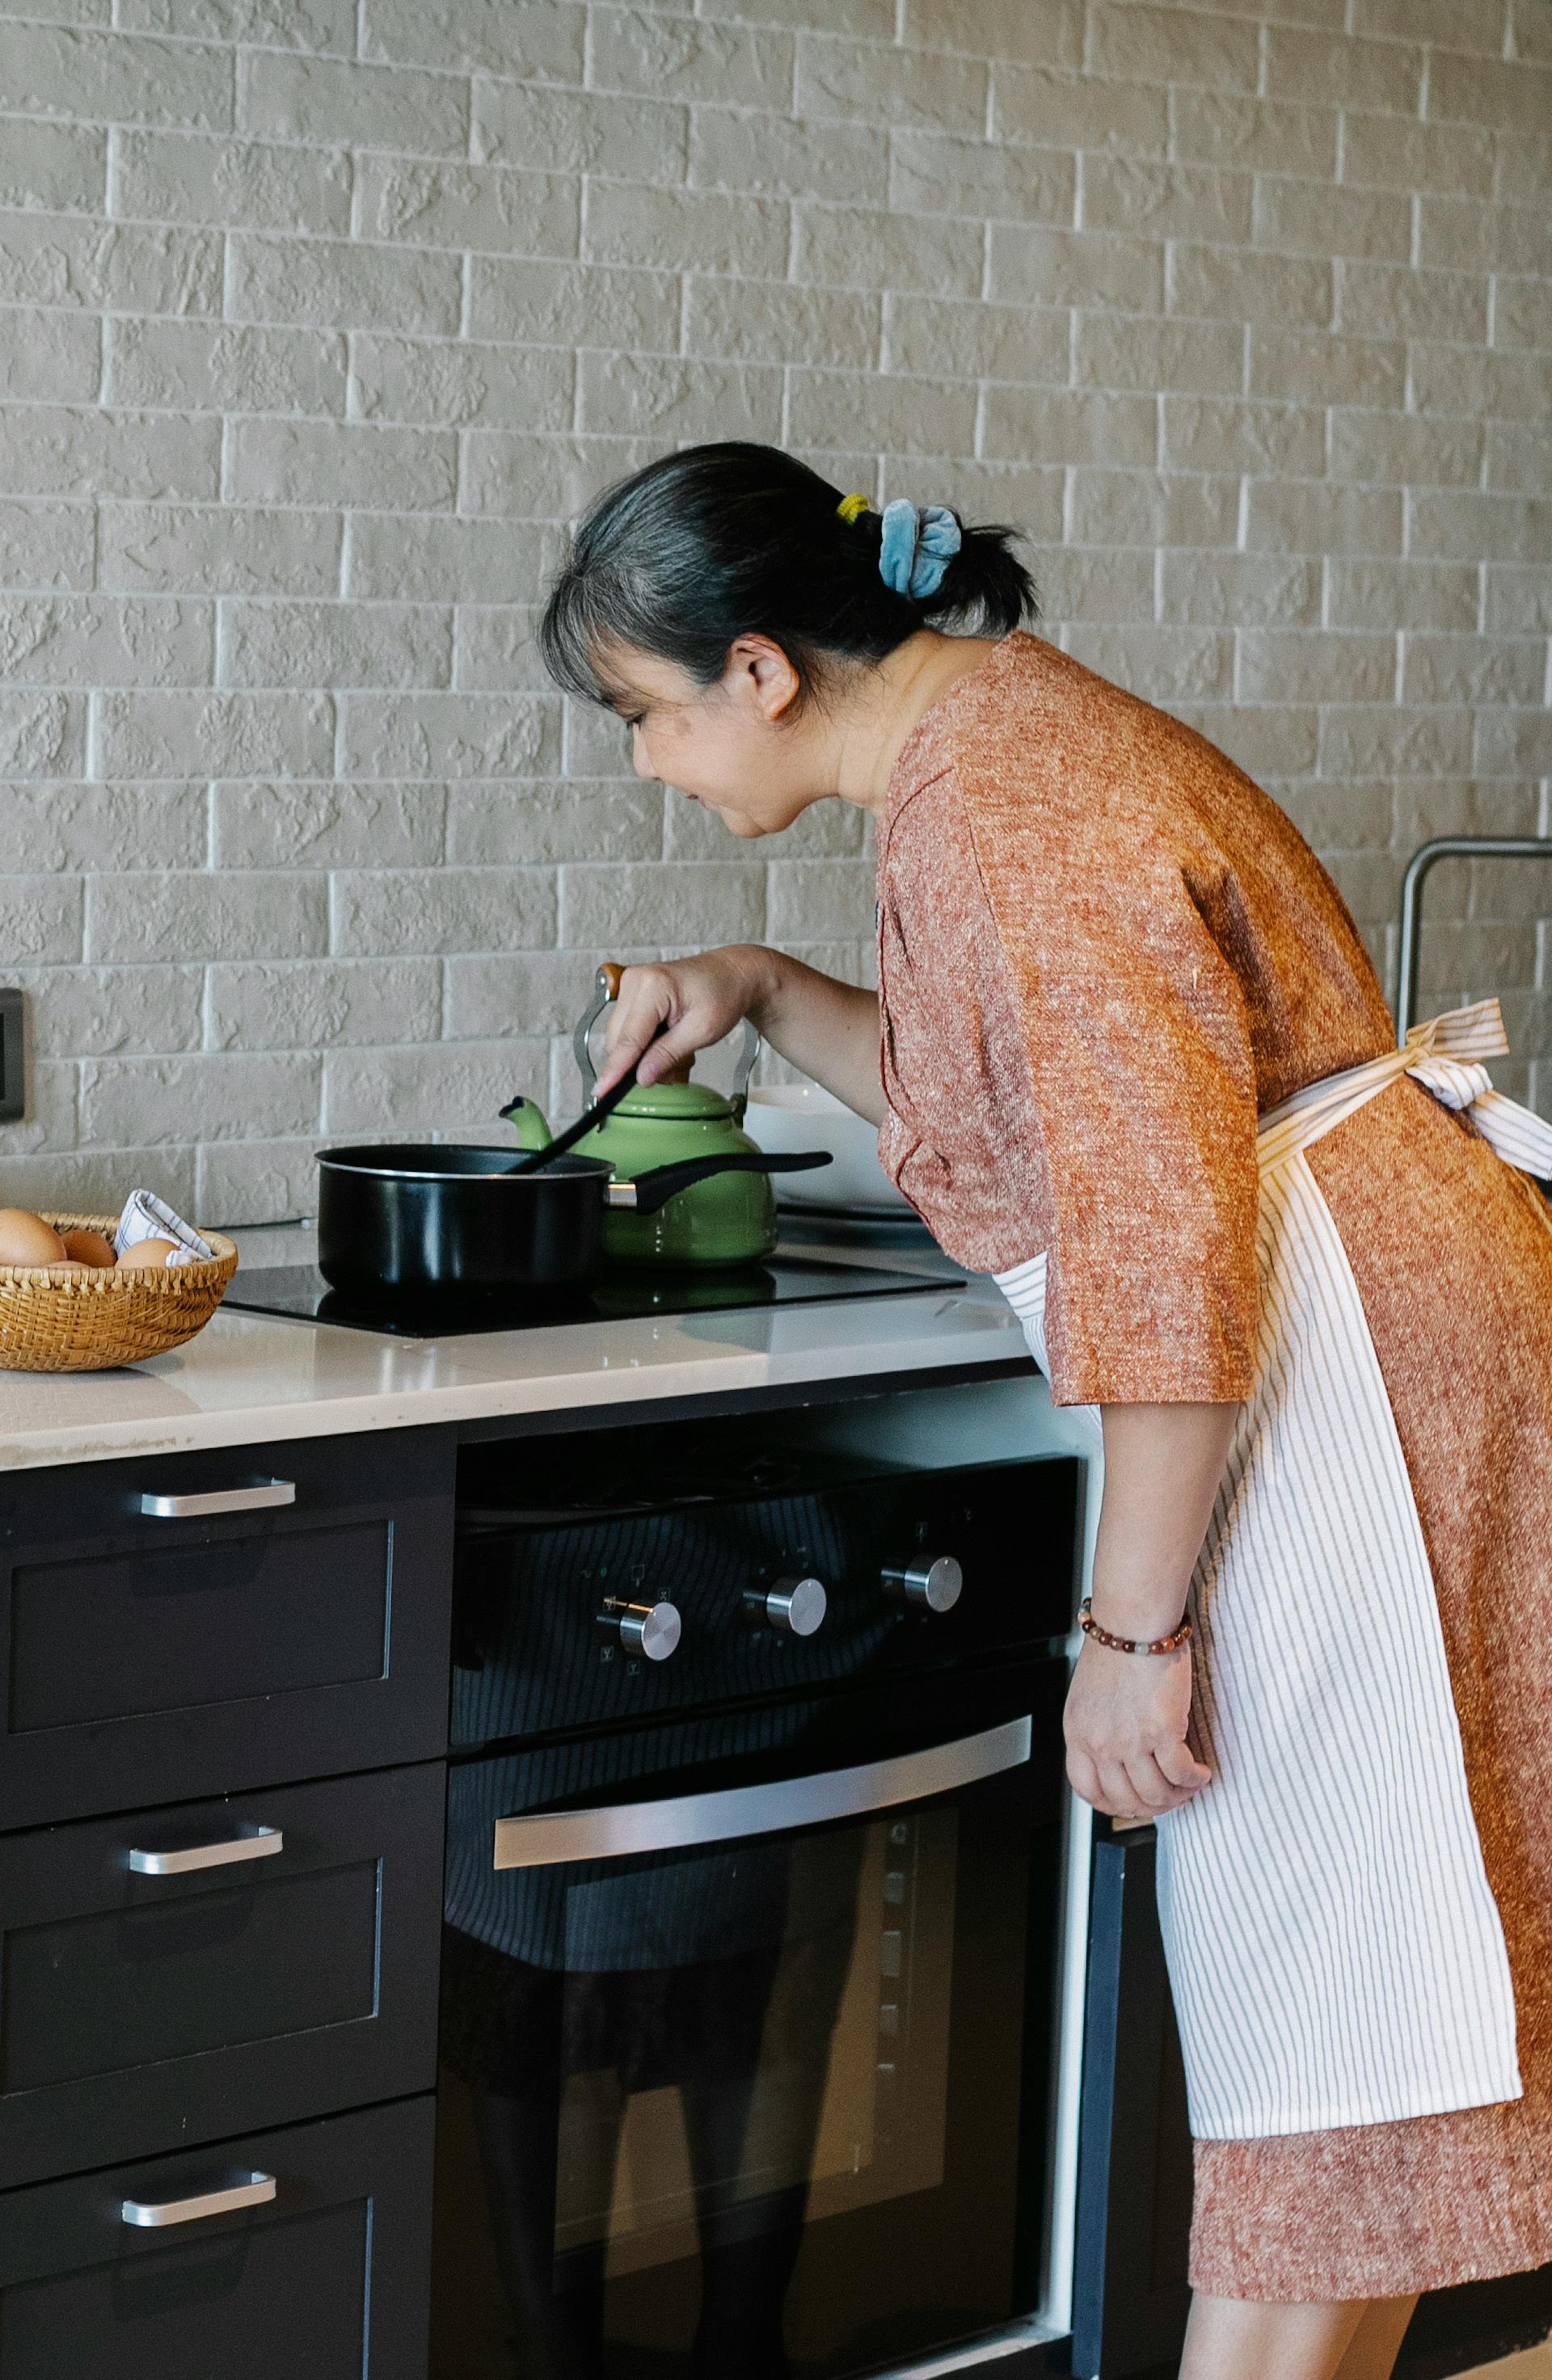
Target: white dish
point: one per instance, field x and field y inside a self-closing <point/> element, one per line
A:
<point x="801" y="1116"/>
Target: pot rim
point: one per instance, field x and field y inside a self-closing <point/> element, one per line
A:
<point x="369" y="1158"/>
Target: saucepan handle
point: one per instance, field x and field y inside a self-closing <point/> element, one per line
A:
<point x="650" y="1191"/>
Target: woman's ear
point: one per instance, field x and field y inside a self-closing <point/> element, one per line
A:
<point x="761" y="674"/>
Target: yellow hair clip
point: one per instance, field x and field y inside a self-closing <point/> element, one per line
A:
<point x="851" y="509"/>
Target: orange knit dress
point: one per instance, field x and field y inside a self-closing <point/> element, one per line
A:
<point x="1104" y="957"/>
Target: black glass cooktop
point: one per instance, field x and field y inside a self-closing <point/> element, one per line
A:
<point x="618" y="1296"/>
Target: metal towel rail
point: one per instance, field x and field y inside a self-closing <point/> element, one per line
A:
<point x="1447" y="846"/>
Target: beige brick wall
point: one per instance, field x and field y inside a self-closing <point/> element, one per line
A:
<point x="321" y="315"/>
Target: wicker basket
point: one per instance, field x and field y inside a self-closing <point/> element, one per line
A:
<point x="91" y="1320"/>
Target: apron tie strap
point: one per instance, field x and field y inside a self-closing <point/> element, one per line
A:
<point x="1445" y="1054"/>
<point x="1474" y="1032"/>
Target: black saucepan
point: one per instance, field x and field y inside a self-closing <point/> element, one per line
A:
<point x="412" y="1218"/>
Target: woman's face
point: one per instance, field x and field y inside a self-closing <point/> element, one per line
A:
<point x="744" y="748"/>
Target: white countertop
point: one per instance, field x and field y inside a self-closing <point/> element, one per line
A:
<point x="249" y="1378"/>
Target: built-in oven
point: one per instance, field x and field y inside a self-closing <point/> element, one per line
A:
<point x="751" y="1955"/>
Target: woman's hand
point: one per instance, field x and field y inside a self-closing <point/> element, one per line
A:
<point x="1127" y="1712"/>
<point x="828" y="1031"/>
<point x="1125" y="1725"/>
<point x="696" y="1001"/>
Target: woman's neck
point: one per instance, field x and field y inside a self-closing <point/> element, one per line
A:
<point x="891" y="701"/>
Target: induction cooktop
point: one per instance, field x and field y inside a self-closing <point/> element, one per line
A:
<point x="618" y="1296"/>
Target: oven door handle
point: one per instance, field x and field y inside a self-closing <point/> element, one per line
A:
<point x="556" y="1838"/>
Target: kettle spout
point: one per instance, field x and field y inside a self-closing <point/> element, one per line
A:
<point x="527" y="1120"/>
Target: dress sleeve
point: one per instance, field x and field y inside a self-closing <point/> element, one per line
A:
<point x="1144" y="1088"/>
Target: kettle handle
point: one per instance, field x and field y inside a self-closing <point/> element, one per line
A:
<point x="739" y="1096"/>
<point x="606" y="983"/>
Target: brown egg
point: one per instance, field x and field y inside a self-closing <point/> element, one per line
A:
<point x="85" y="1247"/>
<point x="147" y="1256"/>
<point x="27" y="1240"/>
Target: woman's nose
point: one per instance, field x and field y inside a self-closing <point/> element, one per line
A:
<point x="639" y="759"/>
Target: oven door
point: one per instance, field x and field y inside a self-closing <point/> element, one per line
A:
<point x="748" y="2034"/>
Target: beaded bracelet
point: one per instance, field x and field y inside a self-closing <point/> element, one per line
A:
<point x="1091" y="1627"/>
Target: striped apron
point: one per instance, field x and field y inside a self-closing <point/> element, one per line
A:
<point x="1336" y="1955"/>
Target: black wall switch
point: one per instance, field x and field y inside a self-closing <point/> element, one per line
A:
<point x="13" y="1080"/>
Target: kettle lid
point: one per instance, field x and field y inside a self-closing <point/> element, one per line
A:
<point x="678" y="1102"/>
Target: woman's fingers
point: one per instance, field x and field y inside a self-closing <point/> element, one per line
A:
<point x="1181" y="1767"/>
<point x="646" y="1003"/>
<point x="1082" y="1775"/>
<point x="655" y="1052"/>
<point x="1139" y="1785"/>
<point x="1152" y="1789"/>
<point x="1117" y="1799"/>
<point x="1143" y="1787"/>
<point x="665" y="1015"/>
<point x="622" y="1055"/>
<point x="1134" y="1789"/>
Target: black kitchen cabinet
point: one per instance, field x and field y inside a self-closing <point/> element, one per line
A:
<point x="161" y="1637"/>
<point x="1135" y="2179"/>
<point x="1130" y="2295"/>
<point x="144" y="2010"/>
<point x="325" y="2276"/>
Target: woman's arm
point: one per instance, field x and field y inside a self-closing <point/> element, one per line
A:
<point x="1127" y="1712"/>
<point x="827" y="1029"/>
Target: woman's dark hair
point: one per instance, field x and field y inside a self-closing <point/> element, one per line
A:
<point x="716" y="542"/>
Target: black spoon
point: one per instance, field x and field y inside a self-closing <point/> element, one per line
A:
<point x="534" y="1161"/>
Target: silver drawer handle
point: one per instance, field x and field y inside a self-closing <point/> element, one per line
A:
<point x="555" y="1836"/>
<point x="261" y="1843"/>
<point x="154" y="2214"/>
<point x="220" y="1500"/>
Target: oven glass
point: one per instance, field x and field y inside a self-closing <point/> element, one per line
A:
<point x="763" y="2106"/>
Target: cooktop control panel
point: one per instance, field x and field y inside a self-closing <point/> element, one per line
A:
<point x="665" y="1581"/>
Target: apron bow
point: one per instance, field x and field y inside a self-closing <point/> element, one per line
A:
<point x="1445" y="1054"/>
<point x="1446" y="1058"/>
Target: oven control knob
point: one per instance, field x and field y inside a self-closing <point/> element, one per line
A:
<point x="794" y="1606"/>
<point x="929" y="1582"/>
<point x="651" y="1630"/>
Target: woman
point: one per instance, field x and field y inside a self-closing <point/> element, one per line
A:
<point x="1115" y="986"/>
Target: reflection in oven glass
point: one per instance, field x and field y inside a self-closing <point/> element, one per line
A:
<point x="722" y="2050"/>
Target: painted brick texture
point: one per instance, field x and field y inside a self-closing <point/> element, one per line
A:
<point x="319" y="317"/>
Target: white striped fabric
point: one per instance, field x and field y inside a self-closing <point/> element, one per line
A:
<point x="1024" y="1288"/>
<point x="1474" y="1032"/>
<point x="1334" y="1952"/>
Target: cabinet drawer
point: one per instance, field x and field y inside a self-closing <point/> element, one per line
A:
<point x="326" y="2278"/>
<point x="162" y="1635"/>
<point x="258" y="1977"/>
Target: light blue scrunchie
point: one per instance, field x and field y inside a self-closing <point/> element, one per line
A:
<point x="917" y="548"/>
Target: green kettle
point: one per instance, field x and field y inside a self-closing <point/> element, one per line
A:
<point x="730" y="1220"/>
